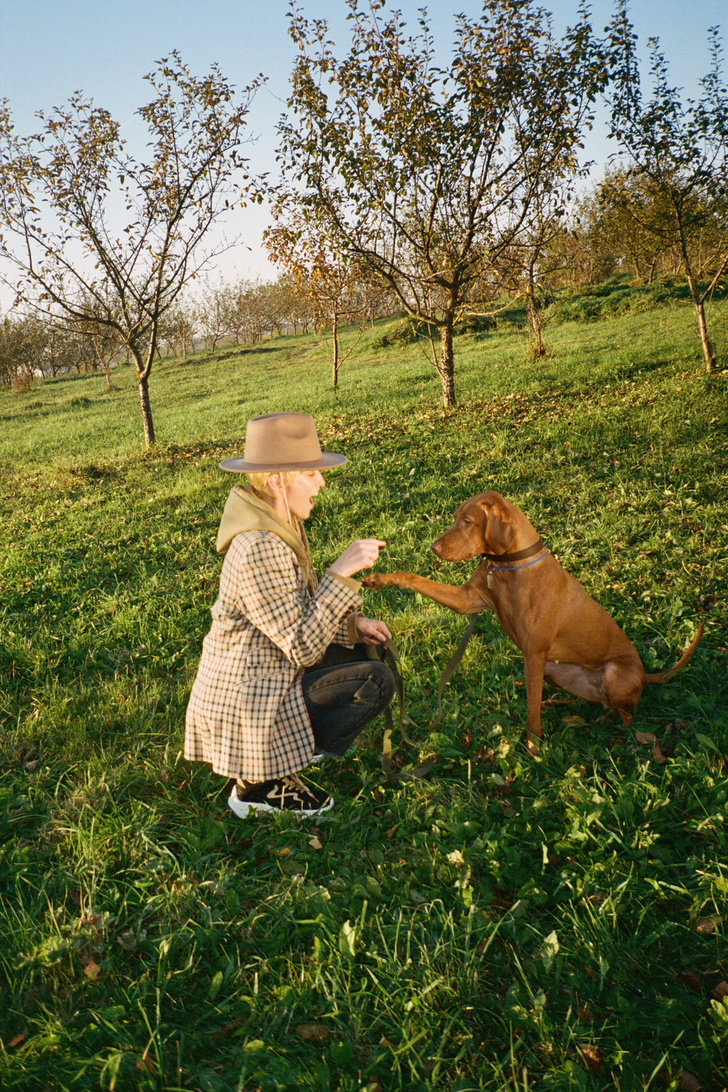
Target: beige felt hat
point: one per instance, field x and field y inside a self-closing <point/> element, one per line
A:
<point x="282" y="441"/>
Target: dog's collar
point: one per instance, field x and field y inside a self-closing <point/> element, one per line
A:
<point x="521" y="555"/>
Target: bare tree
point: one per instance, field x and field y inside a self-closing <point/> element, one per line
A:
<point x="64" y="188"/>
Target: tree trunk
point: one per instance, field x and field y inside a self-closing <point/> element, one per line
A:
<point x="335" y="349"/>
<point x="698" y="300"/>
<point x="447" y="365"/>
<point x="536" y="320"/>
<point x="708" y="357"/>
<point x="699" y="305"/>
<point x="149" y="437"/>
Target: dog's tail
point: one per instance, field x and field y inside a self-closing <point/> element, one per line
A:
<point x="665" y="676"/>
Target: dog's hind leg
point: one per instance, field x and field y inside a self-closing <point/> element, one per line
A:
<point x="622" y="681"/>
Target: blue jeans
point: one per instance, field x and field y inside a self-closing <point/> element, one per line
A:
<point x="343" y="692"/>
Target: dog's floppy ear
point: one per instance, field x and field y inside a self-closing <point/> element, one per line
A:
<point x="498" y="530"/>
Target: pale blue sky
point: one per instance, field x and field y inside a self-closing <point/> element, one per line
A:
<point x="51" y="48"/>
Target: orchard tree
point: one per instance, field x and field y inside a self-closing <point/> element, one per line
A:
<point x="23" y="348"/>
<point x="680" y="146"/>
<point x="631" y="215"/>
<point x="321" y="272"/>
<point x="426" y="174"/>
<point x="212" y="313"/>
<point x="536" y="260"/>
<point x="177" y="328"/>
<point x="587" y="250"/>
<point x="85" y="220"/>
<point x="100" y="338"/>
<point x="294" y="309"/>
<point x="251" y="313"/>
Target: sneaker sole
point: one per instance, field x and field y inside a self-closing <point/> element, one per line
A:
<point x="244" y="808"/>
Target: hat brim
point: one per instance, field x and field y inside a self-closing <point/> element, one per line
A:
<point x="242" y="466"/>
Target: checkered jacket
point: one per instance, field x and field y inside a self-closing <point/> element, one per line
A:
<point x="246" y="715"/>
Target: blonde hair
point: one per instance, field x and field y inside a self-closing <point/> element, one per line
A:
<point x="259" y="481"/>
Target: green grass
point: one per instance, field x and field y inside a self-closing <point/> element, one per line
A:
<point x="507" y="923"/>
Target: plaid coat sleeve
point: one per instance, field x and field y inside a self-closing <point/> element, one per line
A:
<point x="246" y="714"/>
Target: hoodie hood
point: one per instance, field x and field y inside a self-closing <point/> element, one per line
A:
<point x="246" y="511"/>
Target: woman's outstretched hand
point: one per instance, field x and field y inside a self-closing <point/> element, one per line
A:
<point x="372" y="631"/>
<point x="362" y="554"/>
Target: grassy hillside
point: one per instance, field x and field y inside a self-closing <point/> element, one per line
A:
<point x="506" y="923"/>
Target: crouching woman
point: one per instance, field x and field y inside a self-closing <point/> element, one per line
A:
<point x="284" y="675"/>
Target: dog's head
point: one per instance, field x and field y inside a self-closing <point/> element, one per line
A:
<point x="484" y="524"/>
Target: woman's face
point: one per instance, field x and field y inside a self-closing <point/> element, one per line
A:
<point x="301" y="488"/>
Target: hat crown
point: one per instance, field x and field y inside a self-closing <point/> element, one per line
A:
<point x="282" y="441"/>
<point x="276" y="438"/>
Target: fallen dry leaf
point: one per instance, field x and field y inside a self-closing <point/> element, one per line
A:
<point x="91" y="970"/>
<point x="706" y="926"/>
<point x="658" y="756"/>
<point x="591" y="1056"/>
<point x="312" y="1033"/>
<point x="16" y="1040"/>
<point x="645" y="737"/>
<point x="315" y="843"/>
<point x="285" y="852"/>
<point x="390" y="833"/>
<point x="720" y="993"/>
<point x="689" y="1081"/>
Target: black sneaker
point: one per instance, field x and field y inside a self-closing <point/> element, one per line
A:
<point x="284" y="794"/>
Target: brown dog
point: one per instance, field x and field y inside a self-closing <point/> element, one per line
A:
<point x="564" y="635"/>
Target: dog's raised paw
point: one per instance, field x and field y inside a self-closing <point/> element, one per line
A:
<point x="375" y="580"/>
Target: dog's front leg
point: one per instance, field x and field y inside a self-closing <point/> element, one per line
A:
<point x="534" y="664"/>
<point x="466" y="599"/>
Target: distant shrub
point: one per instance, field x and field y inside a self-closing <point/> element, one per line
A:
<point x="614" y="298"/>
<point x="407" y="331"/>
<point x="476" y="325"/>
